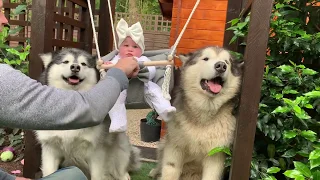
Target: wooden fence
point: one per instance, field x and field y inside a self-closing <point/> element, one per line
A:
<point x="156" y="28"/>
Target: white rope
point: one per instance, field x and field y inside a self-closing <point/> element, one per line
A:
<point x="111" y="19"/>
<point x="184" y="28"/>
<point x="167" y="74"/>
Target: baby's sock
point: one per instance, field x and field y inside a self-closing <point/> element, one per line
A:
<point x="168" y="113"/>
<point x="118" y="115"/>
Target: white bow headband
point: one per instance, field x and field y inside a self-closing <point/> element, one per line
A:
<point x="135" y="32"/>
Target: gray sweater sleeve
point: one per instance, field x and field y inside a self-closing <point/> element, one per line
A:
<point x="27" y="104"/>
<point x="6" y="176"/>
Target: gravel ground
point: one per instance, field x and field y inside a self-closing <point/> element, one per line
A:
<point x="134" y="116"/>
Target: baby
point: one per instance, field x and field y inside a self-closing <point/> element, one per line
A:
<point x="131" y="43"/>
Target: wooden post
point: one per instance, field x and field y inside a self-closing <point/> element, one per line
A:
<point x="105" y="37"/>
<point x="41" y="42"/>
<point x="255" y="56"/>
<point x="86" y="35"/>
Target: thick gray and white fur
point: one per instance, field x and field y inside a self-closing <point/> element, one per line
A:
<point x="100" y="155"/>
<point x="205" y="100"/>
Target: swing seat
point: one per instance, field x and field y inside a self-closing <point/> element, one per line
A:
<point x="135" y="93"/>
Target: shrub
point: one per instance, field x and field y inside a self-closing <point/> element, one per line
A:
<point x="287" y="137"/>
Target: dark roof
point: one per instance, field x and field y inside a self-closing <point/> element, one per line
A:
<point x="166" y="8"/>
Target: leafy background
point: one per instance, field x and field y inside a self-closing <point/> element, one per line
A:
<point x="287" y="142"/>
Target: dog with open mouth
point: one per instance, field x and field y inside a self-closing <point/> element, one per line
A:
<point x="99" y="154"/>
<point x="206" y="100"/>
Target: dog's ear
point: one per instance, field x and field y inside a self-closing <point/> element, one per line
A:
<point x="237" y="66"/>
<point x="95" y="59"/>
<point x="46" y="59"/>
<point x="185" y="57"/>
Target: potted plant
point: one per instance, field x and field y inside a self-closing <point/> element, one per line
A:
<point x="150" y="127"/>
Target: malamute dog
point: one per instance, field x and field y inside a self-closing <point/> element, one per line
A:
<point x="100" y="155"/>
<point x="205" y="100"/>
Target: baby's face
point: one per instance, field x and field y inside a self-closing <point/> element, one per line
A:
<point x="129" y="48"/>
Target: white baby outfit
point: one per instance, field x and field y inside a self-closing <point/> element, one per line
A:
<point x="153" y="93"/>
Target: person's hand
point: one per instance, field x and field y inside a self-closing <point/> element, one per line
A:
<point x="21" y="178"/>
<point x="107" y="62"/>
<point x="129" y="66"/>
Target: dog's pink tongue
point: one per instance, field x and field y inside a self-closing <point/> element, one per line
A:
<point x="74" y="81"/>
<point x="215" y="88"/>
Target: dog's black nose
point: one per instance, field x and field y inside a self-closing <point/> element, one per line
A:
<point x="75" y="67"/>
<point x="220" y="67"/>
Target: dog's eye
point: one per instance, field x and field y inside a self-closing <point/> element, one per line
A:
<point x="65" y="62"/>
<point x="205" y="59"/>
<point x="83" y="64"/>
<point x="227" y="61"/>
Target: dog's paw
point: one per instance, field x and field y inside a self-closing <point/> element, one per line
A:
<point x="127" y="177"/>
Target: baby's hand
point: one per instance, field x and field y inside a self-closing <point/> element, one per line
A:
<point x="107" y="62"/>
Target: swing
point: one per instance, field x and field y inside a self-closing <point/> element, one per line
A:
<point x="163" y="78"/>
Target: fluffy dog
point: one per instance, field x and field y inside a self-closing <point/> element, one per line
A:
<point x="205" y="100"/>
<point x="99" y="154"/>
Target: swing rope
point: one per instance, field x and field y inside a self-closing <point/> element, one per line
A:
<point x="167" y="73"/>
<point x="111" y="19"/>
<point x="169" y="62"/>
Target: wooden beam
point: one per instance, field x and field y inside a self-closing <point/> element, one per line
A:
<point x="255" y="56"/>
<point x="40" y="43"/>
<point x="86" y="34"/>
<point x="105" y="38"/>
<point x="233" y="11"/>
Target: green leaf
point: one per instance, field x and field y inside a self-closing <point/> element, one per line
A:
<point x="308" y="71"/>
<point x="309" y="106"/>
<point x="304" y="169"/>
<point x="316" y="175"/>
<point x="281" y="109"/>
<point x="270" y="178"/>
<point x="16" y="30"/>
<point x="292" y="173"/>
<point x="234" y="38"/>
<point x="315" y="154"/>
<point x="290" y="91"/>
<point x="286" y="68"/>
<point x="275" y="80"/>
<point x="316" y="145"/>
<point x="273" y="170"/>
<point x="313" y="94"/>
<point x="314" y="163"/>
<point x="297" y="109"/>
<point x="278" y="96"/>
<point x="289" y="134"/>
<point x="290" y="153"/>
<point x="220" y="149"/>
<point x="234" y="21"/>
<point x="288" y="101"/>
<point x="274" y="162"/>
<point x="310" y="135"/>
<point x="242" y="25"/>
<point x="19" y="9"/>
<point x="279" y="5"/>
<point x="302" y="115"/>
<point x="13" y="51"/>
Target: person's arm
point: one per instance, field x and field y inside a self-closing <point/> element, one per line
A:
<point x="6" y="176"/>
<point x="27" y="104"/>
